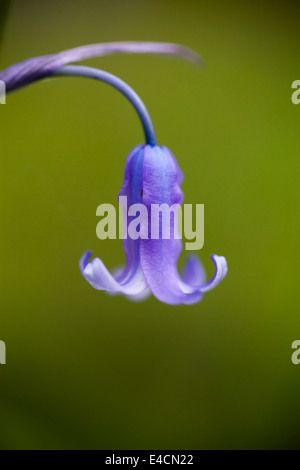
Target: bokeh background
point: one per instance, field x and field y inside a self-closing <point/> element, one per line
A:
<point x="86" y="371"/>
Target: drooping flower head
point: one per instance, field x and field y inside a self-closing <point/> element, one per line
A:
<point x="152" y="177"/>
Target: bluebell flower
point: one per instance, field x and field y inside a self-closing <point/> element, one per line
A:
<point x="152" y="176"/>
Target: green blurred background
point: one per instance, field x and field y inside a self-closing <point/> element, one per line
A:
<point x="88" y="371"/>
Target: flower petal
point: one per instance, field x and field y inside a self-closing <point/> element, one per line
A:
<point x="30" y="70"/>
<point x="193" y="272"/>
<point x="100" y="278"/>
<point x="129" y="281"/>
<point x="159" y="257"/>
<point x="161" y="182"/>
<point x="131" y="191"/>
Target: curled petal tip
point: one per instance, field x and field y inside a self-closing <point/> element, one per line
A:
<point x="184" y="52"/>
<point x="84" y="260"/>
<point x="220" y="262"/>
<point x="95" y="272"/>
<point x="221" y="271"/>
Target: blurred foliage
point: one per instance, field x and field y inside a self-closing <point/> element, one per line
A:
<point x="85" y="370"/>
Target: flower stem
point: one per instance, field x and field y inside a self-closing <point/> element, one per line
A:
<point x="122" y="87"/>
